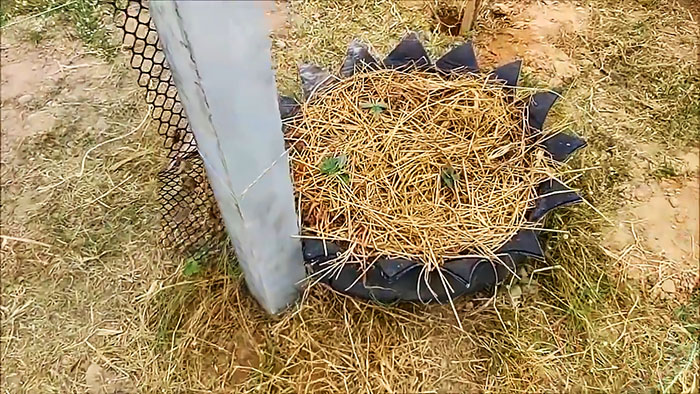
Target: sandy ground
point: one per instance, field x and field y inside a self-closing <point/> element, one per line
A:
<point x="73" y="301"/>
<point x="656" y="239"/>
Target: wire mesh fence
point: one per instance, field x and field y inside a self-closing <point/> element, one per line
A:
<point x="190" y="218"/>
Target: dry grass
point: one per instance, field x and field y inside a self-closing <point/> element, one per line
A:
<point x="443" y="167"/>
<point x="104" y="294"/>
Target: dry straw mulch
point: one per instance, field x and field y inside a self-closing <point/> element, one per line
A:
<point x="415" y="165"/>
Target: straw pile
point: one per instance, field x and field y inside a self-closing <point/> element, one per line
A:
<point x="414" y="165"/>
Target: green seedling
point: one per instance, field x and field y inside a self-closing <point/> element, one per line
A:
<point x="375" y="108"/>
<point x="449" y="176"/>
<point x="334" y="166"/>
<point x="191" y="268"/>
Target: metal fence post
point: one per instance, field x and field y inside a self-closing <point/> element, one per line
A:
<point x="219" y="55"/>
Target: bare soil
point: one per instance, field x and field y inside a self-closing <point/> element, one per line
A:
<point x="535" y="32"/>
<point x="657" y="240"/>
<point x="36" y="79"/>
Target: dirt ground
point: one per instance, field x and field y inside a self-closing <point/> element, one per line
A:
<point x="90" y="303"/>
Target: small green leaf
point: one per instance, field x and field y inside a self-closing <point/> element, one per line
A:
<point x="333" y="165"/>
<point x="345" y="178"/>
<point x="192" y="267"/>
<point x="375" y="108"/>
<point x="449" y="176"/>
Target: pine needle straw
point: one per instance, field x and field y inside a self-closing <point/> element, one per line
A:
<point x="415" y="165"/>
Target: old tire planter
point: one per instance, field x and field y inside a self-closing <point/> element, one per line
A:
<point x="393" y="280"/>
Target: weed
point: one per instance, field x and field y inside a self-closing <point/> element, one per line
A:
<point x="665" y="170"/>
<point x="86" y="16"/>
<point x="689" y="314"/>
<point x="35" y="36"/>
<point x="191" y="267"/>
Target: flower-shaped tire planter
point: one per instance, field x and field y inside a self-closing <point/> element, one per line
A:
<point x="392" y="280"/>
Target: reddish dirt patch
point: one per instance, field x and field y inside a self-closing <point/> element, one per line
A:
<point x="536" y="33"/>
<point x="33" y="80"/>
<point x="277" y="18"/>
<point x="24" y="76"/>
